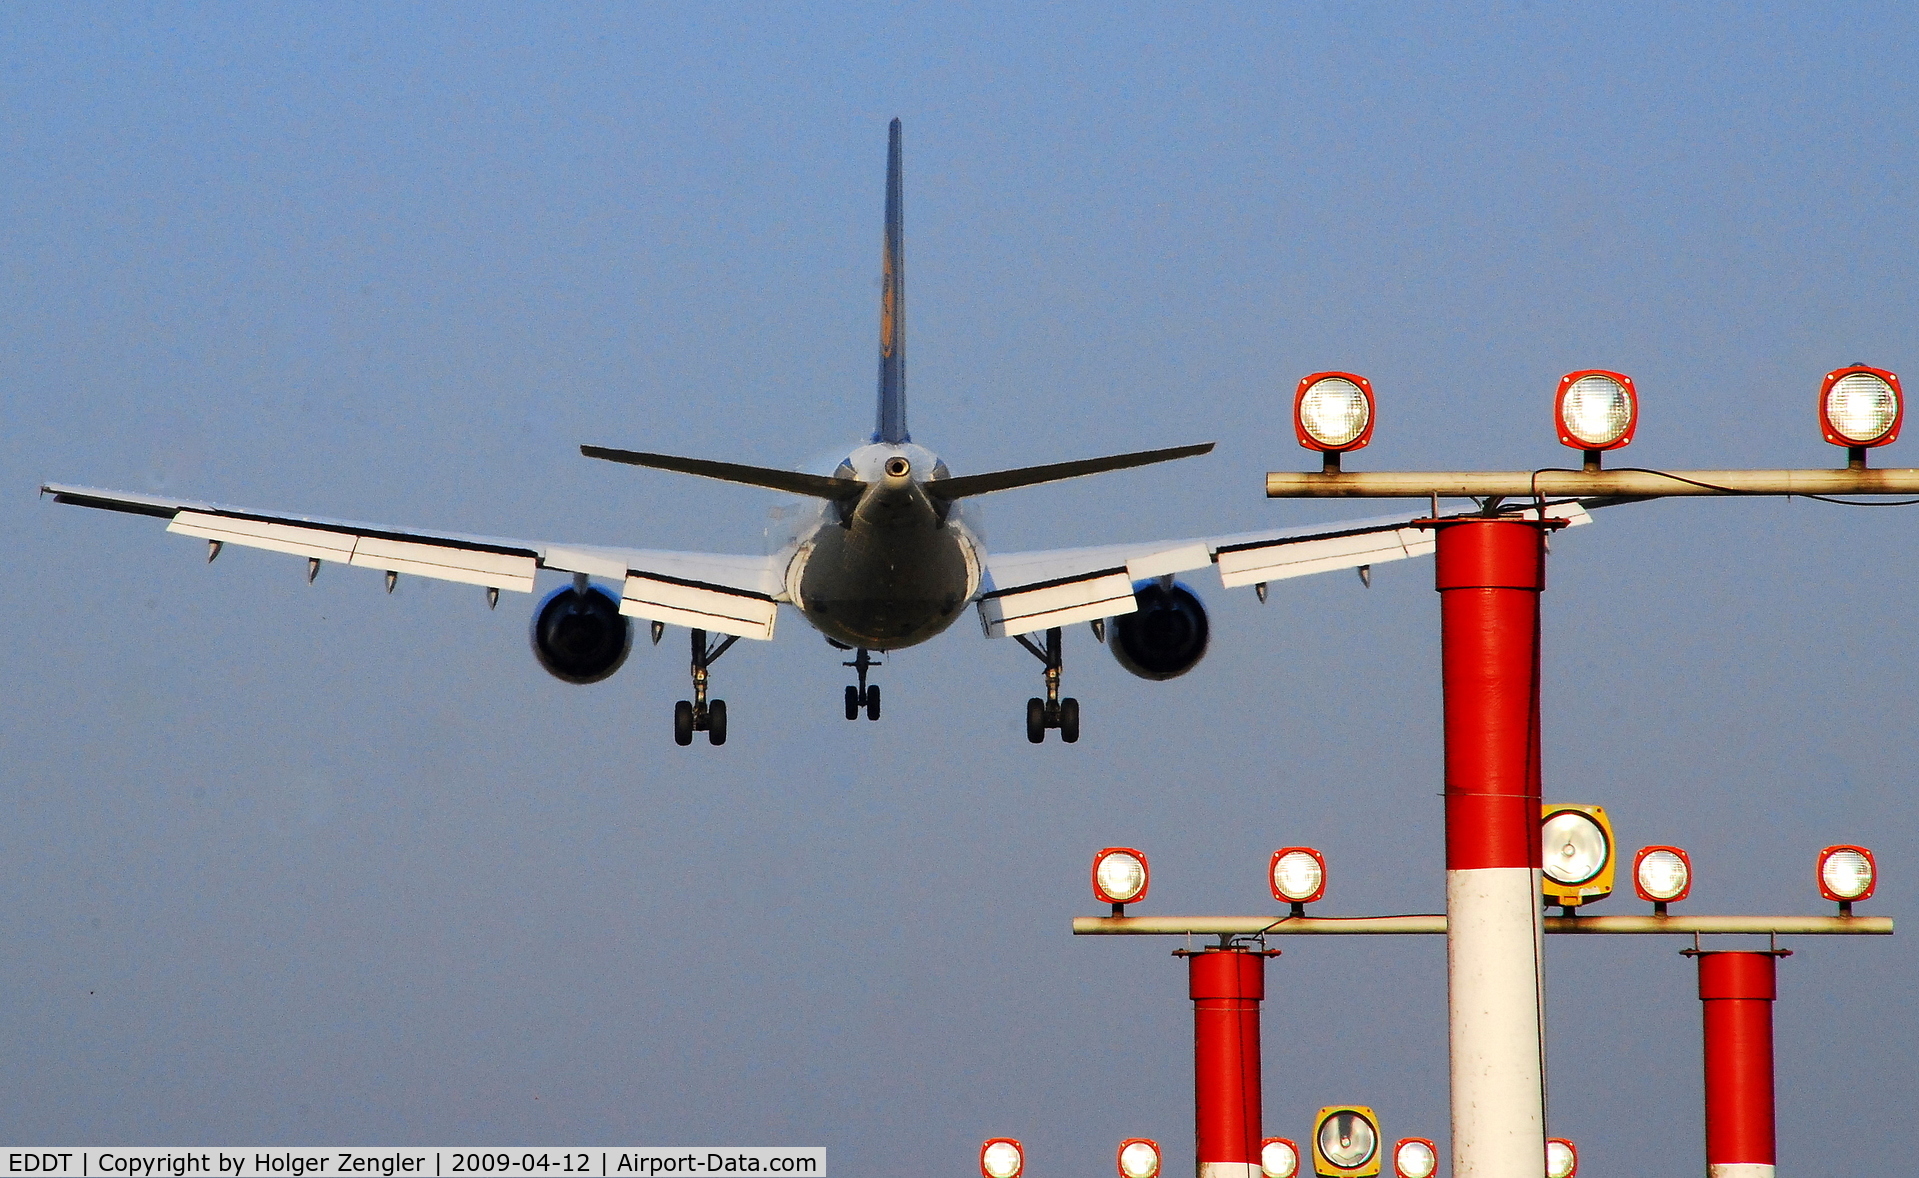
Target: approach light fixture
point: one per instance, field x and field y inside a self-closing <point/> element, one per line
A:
<point x="1662" y="875"/>
<point x="1576" y="848"/>
<point x="1138" y="1158"/>
<point x="1847" y="873"/>
<point x="1297" y="876"/>
<point x="1415" y="1157"/>
<point x="1119" y="877"/>
<point x="1345" y="1141"/>
<point x="1333" y="413"/>
<point x="1595" y="411"/>
<point x="1860" y="407"/>
<point x="1562" y="1159"/>
<point x="1001" y="1157"/>
<point x="1278" y="1158"/>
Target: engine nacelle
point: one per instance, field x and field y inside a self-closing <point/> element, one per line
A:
<point x="1165" y="637"/>
<point x="581" y="637"/>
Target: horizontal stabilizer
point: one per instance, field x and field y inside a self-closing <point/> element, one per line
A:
<point x="793" y="482"/>
<point x="1027" y="476"/>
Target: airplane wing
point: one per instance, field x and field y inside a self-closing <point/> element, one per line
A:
<point x="1027" y="591"/>
<point x="725" y="594"/>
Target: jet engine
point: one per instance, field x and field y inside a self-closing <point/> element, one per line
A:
<point x="581" y="636"/>
<point x="1165" y="637"/>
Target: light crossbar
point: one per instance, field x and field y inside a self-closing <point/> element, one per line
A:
<point x="1620" y="484"/>
<point x="1435" y="924"/>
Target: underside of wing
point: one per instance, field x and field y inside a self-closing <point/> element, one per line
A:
<point x="1253" y="558"/>
<point x="722" y="593"/>
<point x="703" y="591"/>
<point x="1028" y="591"/>
<point x="488" y="561"/>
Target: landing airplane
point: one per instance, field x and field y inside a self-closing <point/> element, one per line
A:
<point x="889" y="558"/>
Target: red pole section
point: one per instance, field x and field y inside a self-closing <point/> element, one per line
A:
<point x="1226" y="986"/>
<point x="1490" y="573"/>
<point x="1736" y="991"/>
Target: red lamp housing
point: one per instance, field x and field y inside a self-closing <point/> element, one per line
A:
<point x="1853" y="408"/>
<point x="1639" y="883"/>
<point x="1142" y="1161"/>
<point x="1596" y="409"/>
<point x="1297" y="881"/>
<point x="1001" y="1157"/>
<point x="1278" y="1158"/>
<point x="1340" y="415"/>
<point x="1414" y="1163"/>
<point x="1567" y="1158"/>
<point x="1110" y="886"/>
<point x="1847" y="869"/>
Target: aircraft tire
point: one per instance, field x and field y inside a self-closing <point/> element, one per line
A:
<point x="872" y="703"/>
<point x="1036" y="720"/>
<point x="716" y="721"/>
<point x="852" y="702"/>
<point x="683" y="723"/>
<point x="1069" y="720"/>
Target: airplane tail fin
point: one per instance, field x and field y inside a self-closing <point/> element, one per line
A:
<point x="891" y="426"/>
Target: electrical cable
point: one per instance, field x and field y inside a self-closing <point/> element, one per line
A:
<point x="1666" y="474"/>
<point x="1328" y="919"/>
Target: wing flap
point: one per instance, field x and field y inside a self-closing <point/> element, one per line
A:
<point x="443" y="561"/>
<point x="1303" y="557"/>
<point x="494" y="570"/>
<point x="697" y="605"/>
<point x="1165" y="562"/>
<point x="724" y="593"/>
<point x="610" y="563"/>
<point x="1018" y="570"/>
<point x="293" y="539"/>
<point x="1059" y="603"/>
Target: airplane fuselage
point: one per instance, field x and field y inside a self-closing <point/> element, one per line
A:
<point x="893" y="567"/>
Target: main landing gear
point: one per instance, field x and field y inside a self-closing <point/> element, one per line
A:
<point x="1051" y="712"/>
<point x="862" y="696"/>
<point x="697" y="715"/>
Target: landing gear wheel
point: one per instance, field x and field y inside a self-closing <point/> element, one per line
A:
<point x="700" y="714"/>
<point x="863" y="695"/>
<point x="1051" y="712"/>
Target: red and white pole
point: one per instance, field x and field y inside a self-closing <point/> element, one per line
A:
<point x="1490" y="573"/>
<point x="1736" y="991"/>
<point x="1226" y="986"/>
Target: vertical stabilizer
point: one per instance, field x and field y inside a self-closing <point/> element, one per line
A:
<point x="891" y="426"/>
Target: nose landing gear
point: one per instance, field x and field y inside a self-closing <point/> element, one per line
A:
<point x="696" y="714"/>
<point x="862" y="696"/>
<point x="1051" y="712"/>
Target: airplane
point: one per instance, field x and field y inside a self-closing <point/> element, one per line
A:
<point x="889" y="557"/>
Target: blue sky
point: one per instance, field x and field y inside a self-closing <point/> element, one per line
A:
<point x="314" y="864"/>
